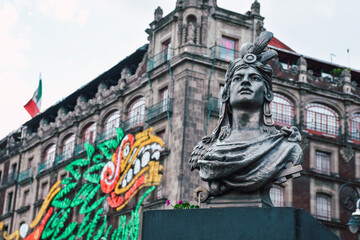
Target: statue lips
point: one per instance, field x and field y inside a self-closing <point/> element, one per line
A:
<point x="245" y="90"/>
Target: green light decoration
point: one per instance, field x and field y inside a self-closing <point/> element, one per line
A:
<point x="89" y="150"/>
<point x="64" y="203"/>
<point x="97" y="158"/>
<point x="73" y="167"/>
<point x="88" y="201"/>
<point x="91" y="175"/>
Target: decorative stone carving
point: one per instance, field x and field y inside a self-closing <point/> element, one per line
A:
<point x="259" y="27"/>
<point x="255" y="8"/>
<point x="246" y="154"/>
<point x="347" y="153"/>
<point x="158" y="14"/>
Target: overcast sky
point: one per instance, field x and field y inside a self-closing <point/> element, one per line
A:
<point x="73" y="41"/>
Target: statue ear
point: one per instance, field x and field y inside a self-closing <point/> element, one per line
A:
<point x="269" y="95"/>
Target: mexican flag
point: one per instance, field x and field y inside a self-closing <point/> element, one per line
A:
<point x="33" y="106"/>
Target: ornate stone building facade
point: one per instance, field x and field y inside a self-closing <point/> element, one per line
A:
<point x="172" y="84"/>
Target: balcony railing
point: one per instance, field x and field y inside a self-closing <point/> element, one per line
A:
<point x="43" y="166"/>
<point x="79" y="148"/>
<point x="156" y="110"/>
<point x="25" y="174"/>
<point x="135" y="121"/>
<point x="106" y="135"/>
<point x="159" y="58"/>
<point x="214" y="105"/>
<point x="9" y="179"/>
<point x="224" y="53"/>
<point x="62" y="157"/>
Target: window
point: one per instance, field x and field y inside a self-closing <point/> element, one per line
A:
<point x="49" y="155"/>
<point x="320" y="119"/>
<point x="136" y="113"/>
<point x="228" y="48"/>
<point x="166" y="50"/>
<point x="282" y="110"/>
<point x="30" y="161"/>
<point x="355" y="127"/>
<point x="26" y="198"/>
<point x="323" y="209"/>
<point x="164" y="96"/>
<point x="112" y="122"/>
<point x="68" y="146"/>
<point x="323" y="162"/>
<point x="277" y="195"/>
<point x="13" y="173"/>
<point x="10" y="196"/>
<point x="89" y="134"/>
<point x="158" y="193"/>
<point x="44" y="190"/>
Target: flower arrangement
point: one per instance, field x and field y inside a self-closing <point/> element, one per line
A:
<point x="182" y="205"/>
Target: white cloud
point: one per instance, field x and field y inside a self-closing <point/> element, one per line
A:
<point x="8" y="17"/>
<point x="82" y="17"/>
<point x="69" y="11"/>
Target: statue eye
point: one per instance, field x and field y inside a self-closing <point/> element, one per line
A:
<point x="237" y="78"/>
<point x="255" y="78"/>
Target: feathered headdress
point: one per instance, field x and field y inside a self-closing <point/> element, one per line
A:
<point x="258" y="51"/>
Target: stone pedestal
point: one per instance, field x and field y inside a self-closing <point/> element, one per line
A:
<point x="241" y="199"/>
<point x="233" y="223"/>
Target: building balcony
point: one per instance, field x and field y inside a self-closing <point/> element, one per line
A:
<point x="25" y="175"/>
<point x="106" y="135"/>
<point x="79" y="148"/>
<point x="43" y="166"/>
<point x="62" y="157"/>
<point x="223" y="53"/>
<point x="159" y="58"/>
<point x="214" y="105"/>
<point x="9" y="179"/>
<point x="159" y="110"/>
<point x="136" y="121"/>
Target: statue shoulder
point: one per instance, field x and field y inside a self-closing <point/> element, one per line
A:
<point x="199" y="151"/>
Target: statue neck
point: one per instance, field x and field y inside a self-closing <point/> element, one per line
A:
<point x="247" y="119"/>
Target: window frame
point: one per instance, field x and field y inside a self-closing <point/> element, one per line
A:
<point x="136" y="114"/>
<point x="111" y="122"/>
<point x="277" y="195"/>
<point x="68" y="146"/>
<point x="287" y="114"/>
<point x="316" y="127"/>
<point x="49" y="154"/>
<point x="226" y="53"/>
<point x="322" y="198"/>
<point x="355" y="135"/>
<point x="89" y="134"/>
<point x="323" y="162"/>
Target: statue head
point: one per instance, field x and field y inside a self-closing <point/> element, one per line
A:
<point x="248" y="82"/>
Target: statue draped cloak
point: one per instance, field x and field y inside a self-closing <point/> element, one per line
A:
<point x="252" y="165"/>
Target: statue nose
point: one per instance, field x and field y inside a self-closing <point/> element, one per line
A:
<point x="245" y="81"/>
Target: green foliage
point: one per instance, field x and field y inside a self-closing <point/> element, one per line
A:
<point x="336" y="72"/>
<point x="182" y="205"/>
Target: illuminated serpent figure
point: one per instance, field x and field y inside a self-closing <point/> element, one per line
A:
<point x="115" y="170"/>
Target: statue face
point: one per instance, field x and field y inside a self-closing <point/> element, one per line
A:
<point x="247" y="89"/>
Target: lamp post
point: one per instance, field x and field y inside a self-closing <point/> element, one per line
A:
<point x="349" y="199"/>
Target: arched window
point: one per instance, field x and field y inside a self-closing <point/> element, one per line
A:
<point x="321" y="119"/>
<point x="111" y="122"/>
<point x="355" y="127"/>
<point x="277" y="196"/>
<point x="323" y="206"/>
<point x="89" y="134"/>
<point x="136" y="113"/>
<point x="282" y="110"/>
<point x="49" y="155"/>
<point x="68" y="147"/>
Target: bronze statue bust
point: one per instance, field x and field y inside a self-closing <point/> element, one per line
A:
<point x="245" y="152"/>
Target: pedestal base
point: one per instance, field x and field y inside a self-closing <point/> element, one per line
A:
<point x="241" y="199"/>
<point x="233" y="223"/>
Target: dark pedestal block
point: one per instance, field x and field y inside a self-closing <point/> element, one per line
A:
<point x="233" y="223"/>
